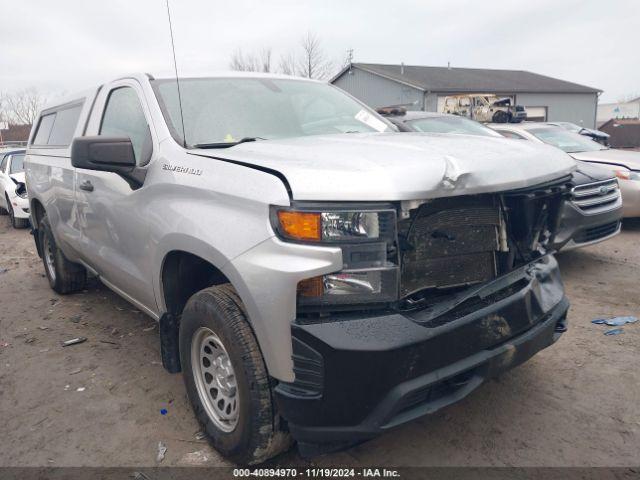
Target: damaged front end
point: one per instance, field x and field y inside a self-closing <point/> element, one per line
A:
<point x="444" y="294"/>
<point x="450" y="244"/>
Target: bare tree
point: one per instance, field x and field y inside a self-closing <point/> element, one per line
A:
<point x="251" y="62"/>
<point x="240" y="62"/>
<point x="21" y="108"/>
<point x="313" y="63"/>
<point x="288" y="64"/>
<point x="265" y="59"/>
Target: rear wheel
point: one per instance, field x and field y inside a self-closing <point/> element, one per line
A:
<point x="64" y="276"/>
<point x="226" y="378"/>
<point x="15" y="222"/>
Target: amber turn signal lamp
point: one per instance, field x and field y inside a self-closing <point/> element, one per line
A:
<point x="311" y="287"/>
<point x="300" y="225"/>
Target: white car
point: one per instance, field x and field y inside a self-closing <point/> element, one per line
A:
<point x="14" y="200"/>
<point x="624" y="163"/>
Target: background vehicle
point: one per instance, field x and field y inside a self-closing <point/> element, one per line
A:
<point x="272" y="221"/>
<point x="485" y="108"/>
<point x="408" y="121"/>
<point x="13" y="193"/>
<point x="595" y="135"/>
<point x="625" y="164"/>
<point x="591" y="215"/>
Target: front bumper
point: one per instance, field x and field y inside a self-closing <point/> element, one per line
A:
<point x="359" y="376"/>
<point x="20" y="206"/>
<point x="630" y="191"/>
<point x="518" y="116"/>
<point x="578" y="229"/>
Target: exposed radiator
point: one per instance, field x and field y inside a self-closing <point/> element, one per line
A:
<point x="450" y="243"/>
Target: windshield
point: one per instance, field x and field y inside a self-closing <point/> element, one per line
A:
<point x="572" y="127"/>
<point x="228" y="110"/>
<point x="568" y="141"/>
<point x="451" y="125"/>
<point x="17" y="163"/>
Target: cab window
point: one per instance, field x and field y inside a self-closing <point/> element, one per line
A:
<point x="124" y="117"/>
<point x="44" y="129"/>
<point x="56" y="129"/>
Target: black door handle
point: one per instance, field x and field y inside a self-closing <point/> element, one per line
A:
<point x="86" y="185"/>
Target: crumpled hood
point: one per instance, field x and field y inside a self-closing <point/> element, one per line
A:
<point x="628" y="159"/>
<point x="401" y="166"/>
<point x="18" y="177"/>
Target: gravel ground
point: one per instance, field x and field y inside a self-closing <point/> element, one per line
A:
<point x="99" y="403"/>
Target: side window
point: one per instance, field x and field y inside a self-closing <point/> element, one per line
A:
<point x="57" y="128"/>
<point x="44" y="129"/>
<point x="64" y="126"/>
<point x="124" y="117"/>
<point x="3" y="164"/>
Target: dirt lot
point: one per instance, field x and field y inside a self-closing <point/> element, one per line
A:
<point x="99" y="403"/>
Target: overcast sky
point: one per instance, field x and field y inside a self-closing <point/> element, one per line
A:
<point x="64" y="45"/>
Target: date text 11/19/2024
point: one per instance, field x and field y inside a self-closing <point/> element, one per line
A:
<point x="316" y="472"/>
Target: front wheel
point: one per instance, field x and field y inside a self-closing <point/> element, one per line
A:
<point x="500" y="117"/>
<point x="226" y="378"/>
<point x="16" y="222"/>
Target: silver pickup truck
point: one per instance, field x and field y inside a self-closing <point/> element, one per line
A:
<point x="316" y="275"/>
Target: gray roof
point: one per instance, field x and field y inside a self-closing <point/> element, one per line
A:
<point x="471" y="80"/>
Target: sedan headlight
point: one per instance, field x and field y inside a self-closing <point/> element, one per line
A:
<point x="626" y="174"/>
<point x="367" y="237"/>
<point x="21" y="190"/>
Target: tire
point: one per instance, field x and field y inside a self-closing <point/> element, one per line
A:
<point x="500" y="117"/>
<point x="242" y="423"/>
<point x="16" y="222"/>
<point x="64" y="276"/>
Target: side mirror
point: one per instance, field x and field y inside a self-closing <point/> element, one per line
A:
<point x="108" y="154"/>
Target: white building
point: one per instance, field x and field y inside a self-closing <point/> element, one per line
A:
<point x="607" y="111"/>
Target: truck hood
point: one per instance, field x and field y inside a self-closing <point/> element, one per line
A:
<point x="630" y="160"/>
<point x="406" y="166"/>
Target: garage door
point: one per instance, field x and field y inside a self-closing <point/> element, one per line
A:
<point x="536" y="114"/>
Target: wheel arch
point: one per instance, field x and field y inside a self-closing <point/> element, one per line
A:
<point x="37" y="212"/>
<point x="183" y="271"/>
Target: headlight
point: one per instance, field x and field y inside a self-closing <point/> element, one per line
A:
<point x="21" y="190"/>
<point x="328" y="226"/>
<point x="626" y="174"/>
<point x="367" y="237"/>
<point x="338" y="226"/>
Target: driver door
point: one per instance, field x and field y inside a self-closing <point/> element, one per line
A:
<point x="113" y="224"/>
